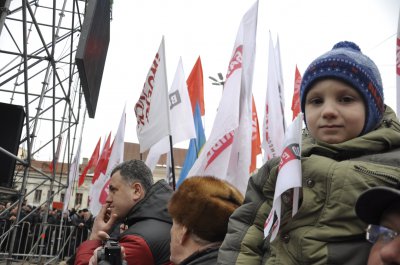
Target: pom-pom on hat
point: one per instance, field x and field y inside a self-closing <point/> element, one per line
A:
<point x="347" y="63"/>
<point x="204" y="205"/>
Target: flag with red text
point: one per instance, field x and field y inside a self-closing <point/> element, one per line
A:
<point x="273" y="123"/>
<point x="92" y="163"/>
<point x="152" y="107"/>
<point x="227" y="152"/>
<point x="296" y="94"/>
<point x="289" y="176"/>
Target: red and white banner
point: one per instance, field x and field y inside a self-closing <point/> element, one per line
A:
<point x="99" y="191"/>
<point x="398" y="68"/>
<point x="289" y="175"/>
<point x="274" y="122"/>
<point x="181" y="118"/>
<point x="152" y="107"/>
<point x="227" y="153"/>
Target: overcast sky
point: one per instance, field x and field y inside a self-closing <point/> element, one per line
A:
<point x="208" y="28"/>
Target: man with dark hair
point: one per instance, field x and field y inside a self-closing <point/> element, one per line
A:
<point x="379" y="207"/>
<point x="140" y="204"/>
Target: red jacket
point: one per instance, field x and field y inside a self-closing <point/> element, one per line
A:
<point x="147" y="239"/>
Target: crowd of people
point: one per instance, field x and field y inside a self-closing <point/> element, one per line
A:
<point x="74" y="225"/>
<point x="349" y="205"/>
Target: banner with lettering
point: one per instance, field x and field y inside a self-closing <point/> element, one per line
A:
<point x="227" y="152"/>
<point x="152" y="107"/>
<point x="289" y="176"/>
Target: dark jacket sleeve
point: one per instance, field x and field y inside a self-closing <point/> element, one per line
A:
<point x="244" y="239"/>
<point x="137" y="252"/>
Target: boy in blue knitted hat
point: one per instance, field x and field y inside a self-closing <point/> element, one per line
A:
<point x="351" y="143"/>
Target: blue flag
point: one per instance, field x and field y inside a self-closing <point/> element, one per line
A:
<point x="195" y="146"/>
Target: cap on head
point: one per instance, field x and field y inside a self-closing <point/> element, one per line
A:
<point x="204" y="205"/>
<point x="372" y="203"/>
<point x="347" y="63"/>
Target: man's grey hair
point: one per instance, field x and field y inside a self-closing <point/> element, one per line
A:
<point x="135" y="170"/>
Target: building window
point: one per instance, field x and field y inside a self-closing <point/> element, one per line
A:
<point x="78" y="198"/>
<point x="48" y="194"/>
<point x="38" y="196"/>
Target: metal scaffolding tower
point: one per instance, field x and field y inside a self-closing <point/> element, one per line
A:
<point x="38" y="42"/>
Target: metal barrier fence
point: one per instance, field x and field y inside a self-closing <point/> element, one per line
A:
<point x="40" y="243"/>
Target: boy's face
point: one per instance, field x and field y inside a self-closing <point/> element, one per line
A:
<point x="335" y="112"/>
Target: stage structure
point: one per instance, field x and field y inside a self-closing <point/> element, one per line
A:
<point x="43" y="102"/>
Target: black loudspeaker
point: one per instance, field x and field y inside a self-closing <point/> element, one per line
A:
<point x="11" y="122"/>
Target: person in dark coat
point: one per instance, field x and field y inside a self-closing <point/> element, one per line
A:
<point x="142" y="206"/>
<point x="379" y="207"/>
<point x="200" y="211"/>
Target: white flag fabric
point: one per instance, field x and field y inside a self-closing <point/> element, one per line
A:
<point x="289" y="175"/>
<point x="152" y="107"/>
<point x="273" y="123"/>
<point x="398" y="67"/>
<point x="227" y="153"/>
<point x="100" y="187"/>
<point x="72" y="176"/>
<point x="181" y="118"/>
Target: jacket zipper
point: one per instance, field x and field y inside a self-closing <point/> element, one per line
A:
<point x="388" y="177"/>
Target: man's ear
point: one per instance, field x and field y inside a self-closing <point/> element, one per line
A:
<point x="137" y="191"/>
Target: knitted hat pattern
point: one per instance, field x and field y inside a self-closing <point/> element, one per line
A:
<point x="203" y="205"/>
<point x="347" y="63"/>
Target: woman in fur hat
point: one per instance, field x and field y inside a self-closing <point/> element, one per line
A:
<point x="200" y="210"/>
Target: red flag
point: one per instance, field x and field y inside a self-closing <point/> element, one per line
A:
<point x="196" y="87"/>
<point x="296" y="94"/>
<point x="92" y="162"/>
<point x="255" y="139"/>
<point x="103" y="160"/>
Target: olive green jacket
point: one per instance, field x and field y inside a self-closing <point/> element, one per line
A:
<point x="325" y="229"/>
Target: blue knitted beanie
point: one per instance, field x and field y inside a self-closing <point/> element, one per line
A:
<point x="347" y="63"/>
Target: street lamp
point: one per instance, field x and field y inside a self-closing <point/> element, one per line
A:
<point x="218" y="82"/>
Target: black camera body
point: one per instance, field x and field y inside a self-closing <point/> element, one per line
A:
<point x="110" y="254"/>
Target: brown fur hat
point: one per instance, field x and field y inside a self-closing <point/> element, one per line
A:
<point x="204" y="205"/>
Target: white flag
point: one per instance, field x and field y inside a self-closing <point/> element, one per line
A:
<point x="289" y="175"/>
<point x="227" y="153"/>
<point x="72" y="176"/>
<point x="152" y="107"/>
<point x="181" y="118"/>
<point x="100" y="187"/>
<point x="274" y="123"/>
<point x="398" y="67"/>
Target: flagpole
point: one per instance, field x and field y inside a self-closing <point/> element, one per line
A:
<point x="169" y="123"/>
